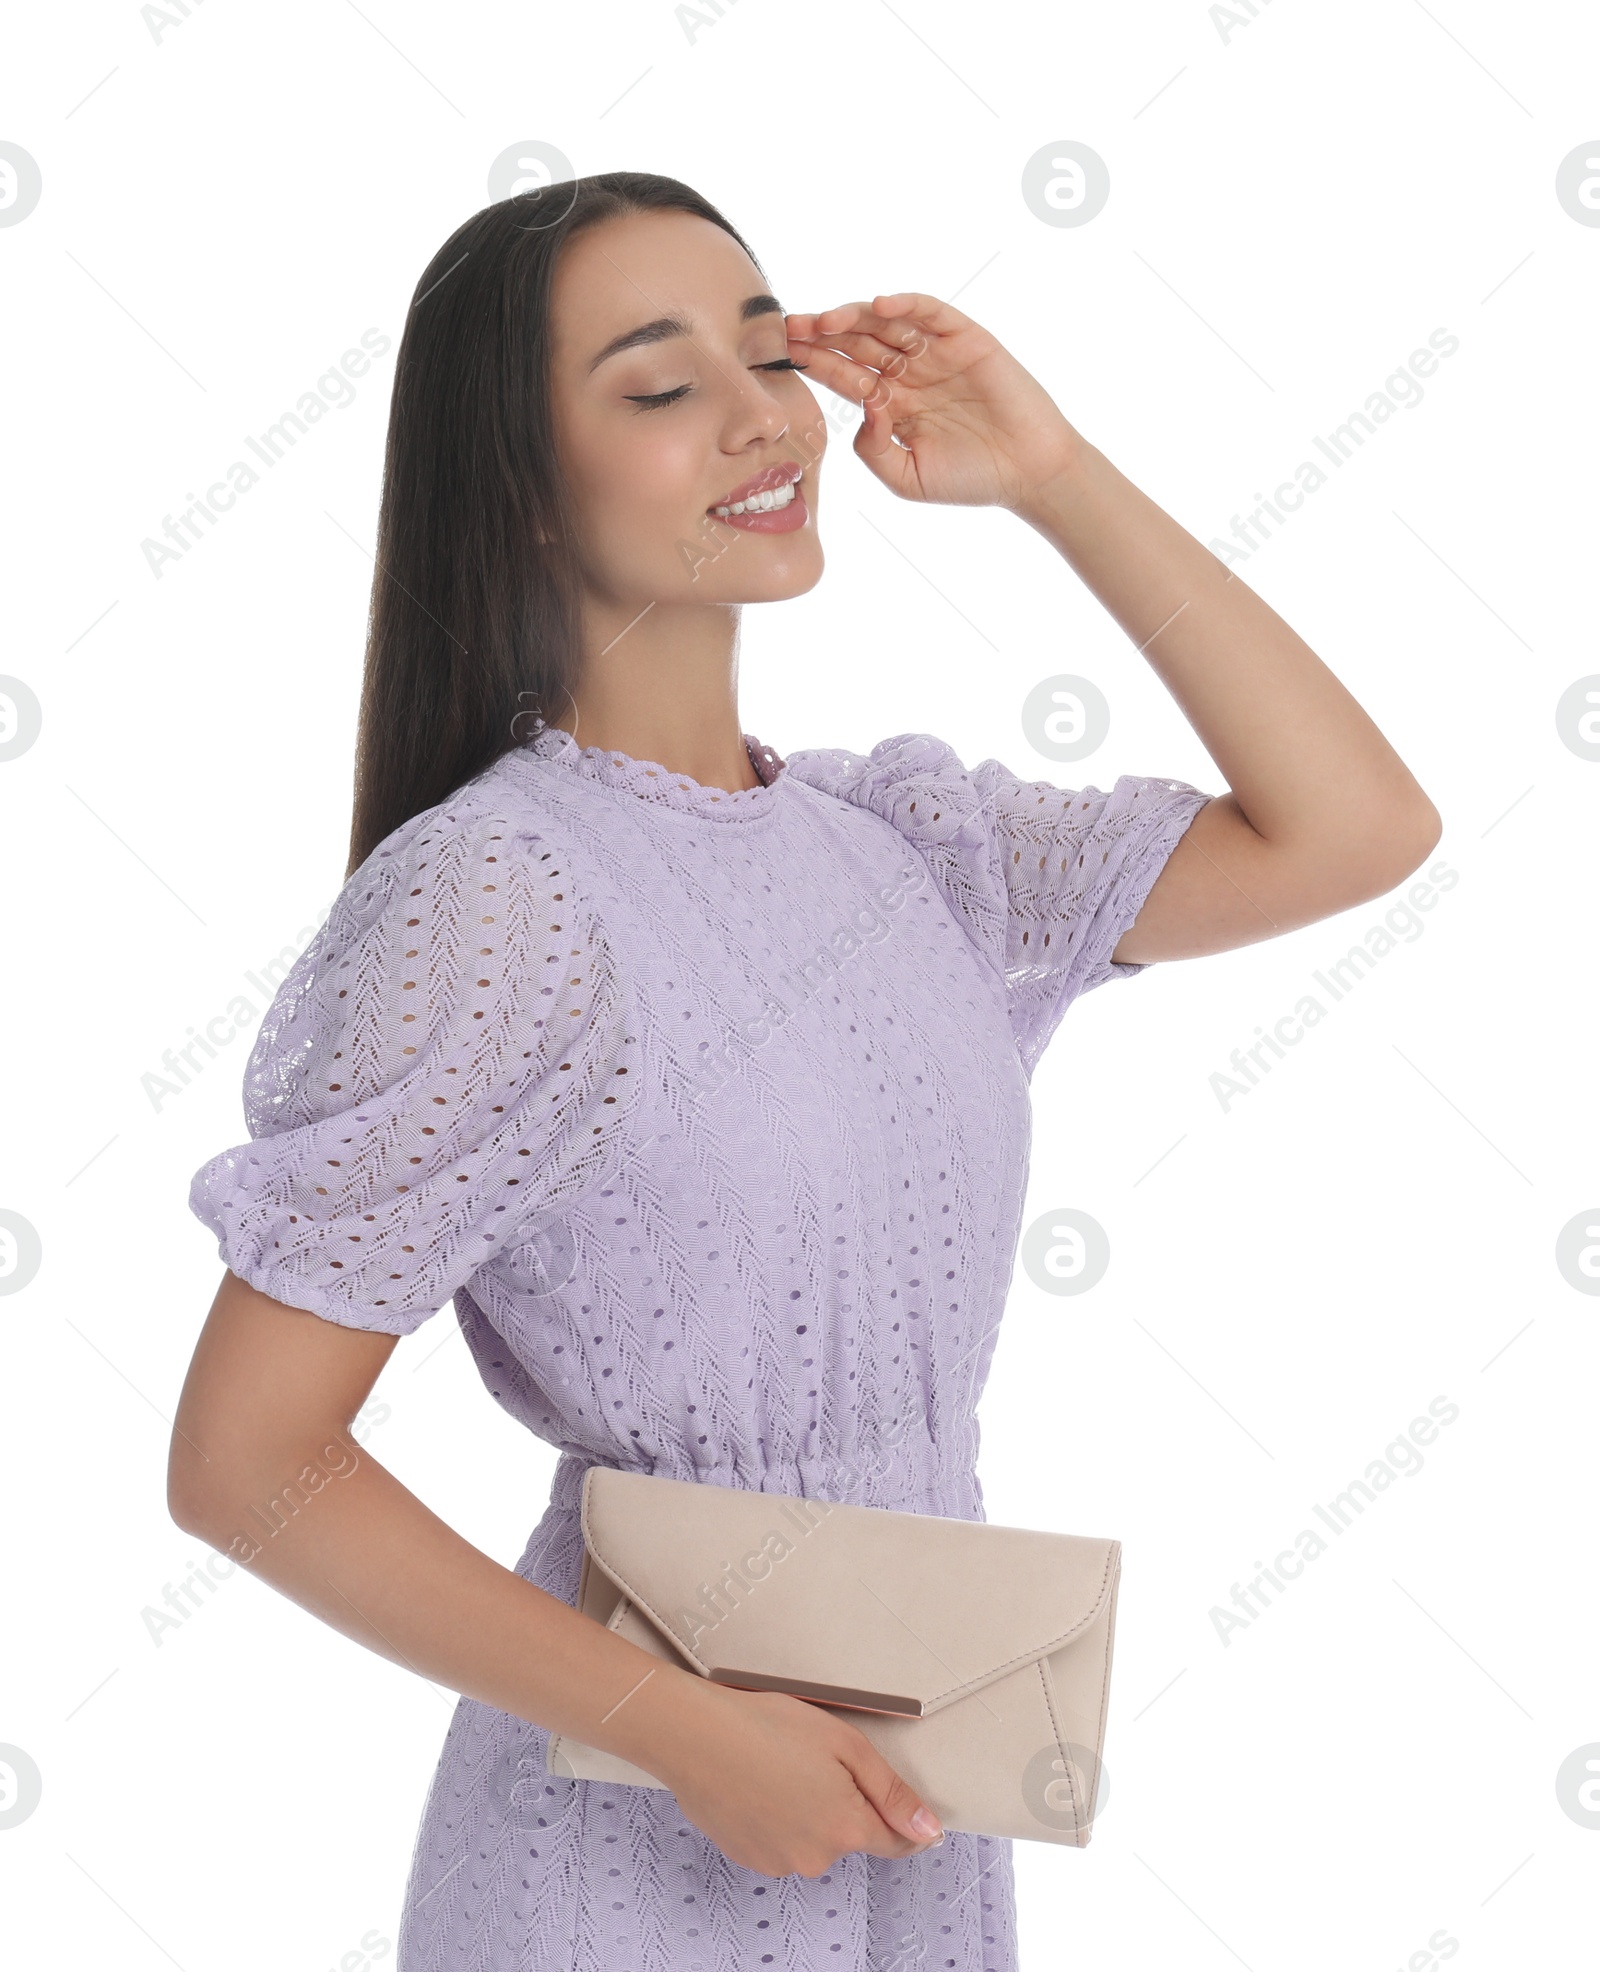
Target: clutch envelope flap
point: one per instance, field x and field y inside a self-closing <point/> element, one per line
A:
<point x="892" y="1612"/>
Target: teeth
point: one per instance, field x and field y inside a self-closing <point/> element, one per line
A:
<point x="760" y="503"/>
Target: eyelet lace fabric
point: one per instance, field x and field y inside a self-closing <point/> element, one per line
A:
<point x="652" y="782"/>
<point x="708" y="1109"/>
<point x="1046" y="879"/>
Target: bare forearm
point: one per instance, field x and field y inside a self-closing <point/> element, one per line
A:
<point x="367" y="1556"/>
<point x="1300" y="755"/>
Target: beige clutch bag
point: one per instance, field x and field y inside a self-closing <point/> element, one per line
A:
<point x="976" y="1658"/>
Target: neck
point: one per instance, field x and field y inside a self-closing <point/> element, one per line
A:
<point x="661" y="683"/>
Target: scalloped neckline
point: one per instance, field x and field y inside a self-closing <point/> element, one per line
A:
<point x="649" y="780"/>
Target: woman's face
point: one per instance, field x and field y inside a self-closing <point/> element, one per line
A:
<point x="673" y="395"/>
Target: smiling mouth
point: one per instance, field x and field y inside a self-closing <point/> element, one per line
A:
<point x="766" y="493"/>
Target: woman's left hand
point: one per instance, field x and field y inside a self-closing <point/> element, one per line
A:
<point x="974" y="428"/>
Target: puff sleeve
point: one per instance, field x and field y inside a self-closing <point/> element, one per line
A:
<point x="452" y="1056"/>
<point x="1044" y="879"/>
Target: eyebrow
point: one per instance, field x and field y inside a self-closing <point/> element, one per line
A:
<point x="666" y="328"/>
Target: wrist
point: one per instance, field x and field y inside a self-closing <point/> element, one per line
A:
<point x="662" y="1720"/>
<point x="1046" y="501"/>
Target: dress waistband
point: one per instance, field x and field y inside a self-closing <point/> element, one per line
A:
<point x="887" y="1481"/>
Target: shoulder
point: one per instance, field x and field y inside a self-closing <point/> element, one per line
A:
<point x="502" y="799"/>
<point x="893" y="759"/>
<point x="452" y="1058"/>
<point x="919" y="783"/>
<point x="914" y="781"/>
<point x="454" y="920"/>
<point x="494" y="830"/>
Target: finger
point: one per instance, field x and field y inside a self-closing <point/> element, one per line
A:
<point x="855" y="318"/>
<point x="874" y="440"/>
<point x="862" y="315"/>
<point x="873" y="1836"/>
<point x="878" y="1839"/>
<point x="898" y="1804"/>
<point x="841" y="374"/>
<point x="926" y="310"/>
<point x="874" y="445"/>
<point x="845" y="315"/>
<point x="898" y="316"/>
<point x="890" y="359"/>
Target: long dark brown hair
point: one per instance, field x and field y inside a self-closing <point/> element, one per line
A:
<point x="474" y="619"/>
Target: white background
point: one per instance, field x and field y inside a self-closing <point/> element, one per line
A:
<point x="1296" y="204"/>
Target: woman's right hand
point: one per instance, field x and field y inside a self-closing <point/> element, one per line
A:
<point x="785" y="1787"/>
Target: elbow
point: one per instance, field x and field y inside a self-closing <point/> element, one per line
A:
<point x="1413" y="838"/>
<point x="1392" y="843"/>
<point x="198" y="1486"/>
<point x="189" y="1505"/>
<point x="1390" y="849"/>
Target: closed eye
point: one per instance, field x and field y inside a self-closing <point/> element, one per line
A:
<point x="661" y="397"/>
<point x="658" y="400"/>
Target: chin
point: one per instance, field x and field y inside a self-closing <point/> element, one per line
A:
<point x="784" y="576"/>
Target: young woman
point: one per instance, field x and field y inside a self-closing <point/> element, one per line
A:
<point x="697" y="1077"/>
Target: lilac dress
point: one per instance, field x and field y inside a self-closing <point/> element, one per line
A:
<point x="710" y="1111"/>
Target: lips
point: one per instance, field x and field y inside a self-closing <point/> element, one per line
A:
<point x="768" y="480"/>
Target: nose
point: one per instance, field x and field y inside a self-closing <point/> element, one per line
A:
<point x="755" y="417"/>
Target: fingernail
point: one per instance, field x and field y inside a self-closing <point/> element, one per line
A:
<point x="925" y="1825"/>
